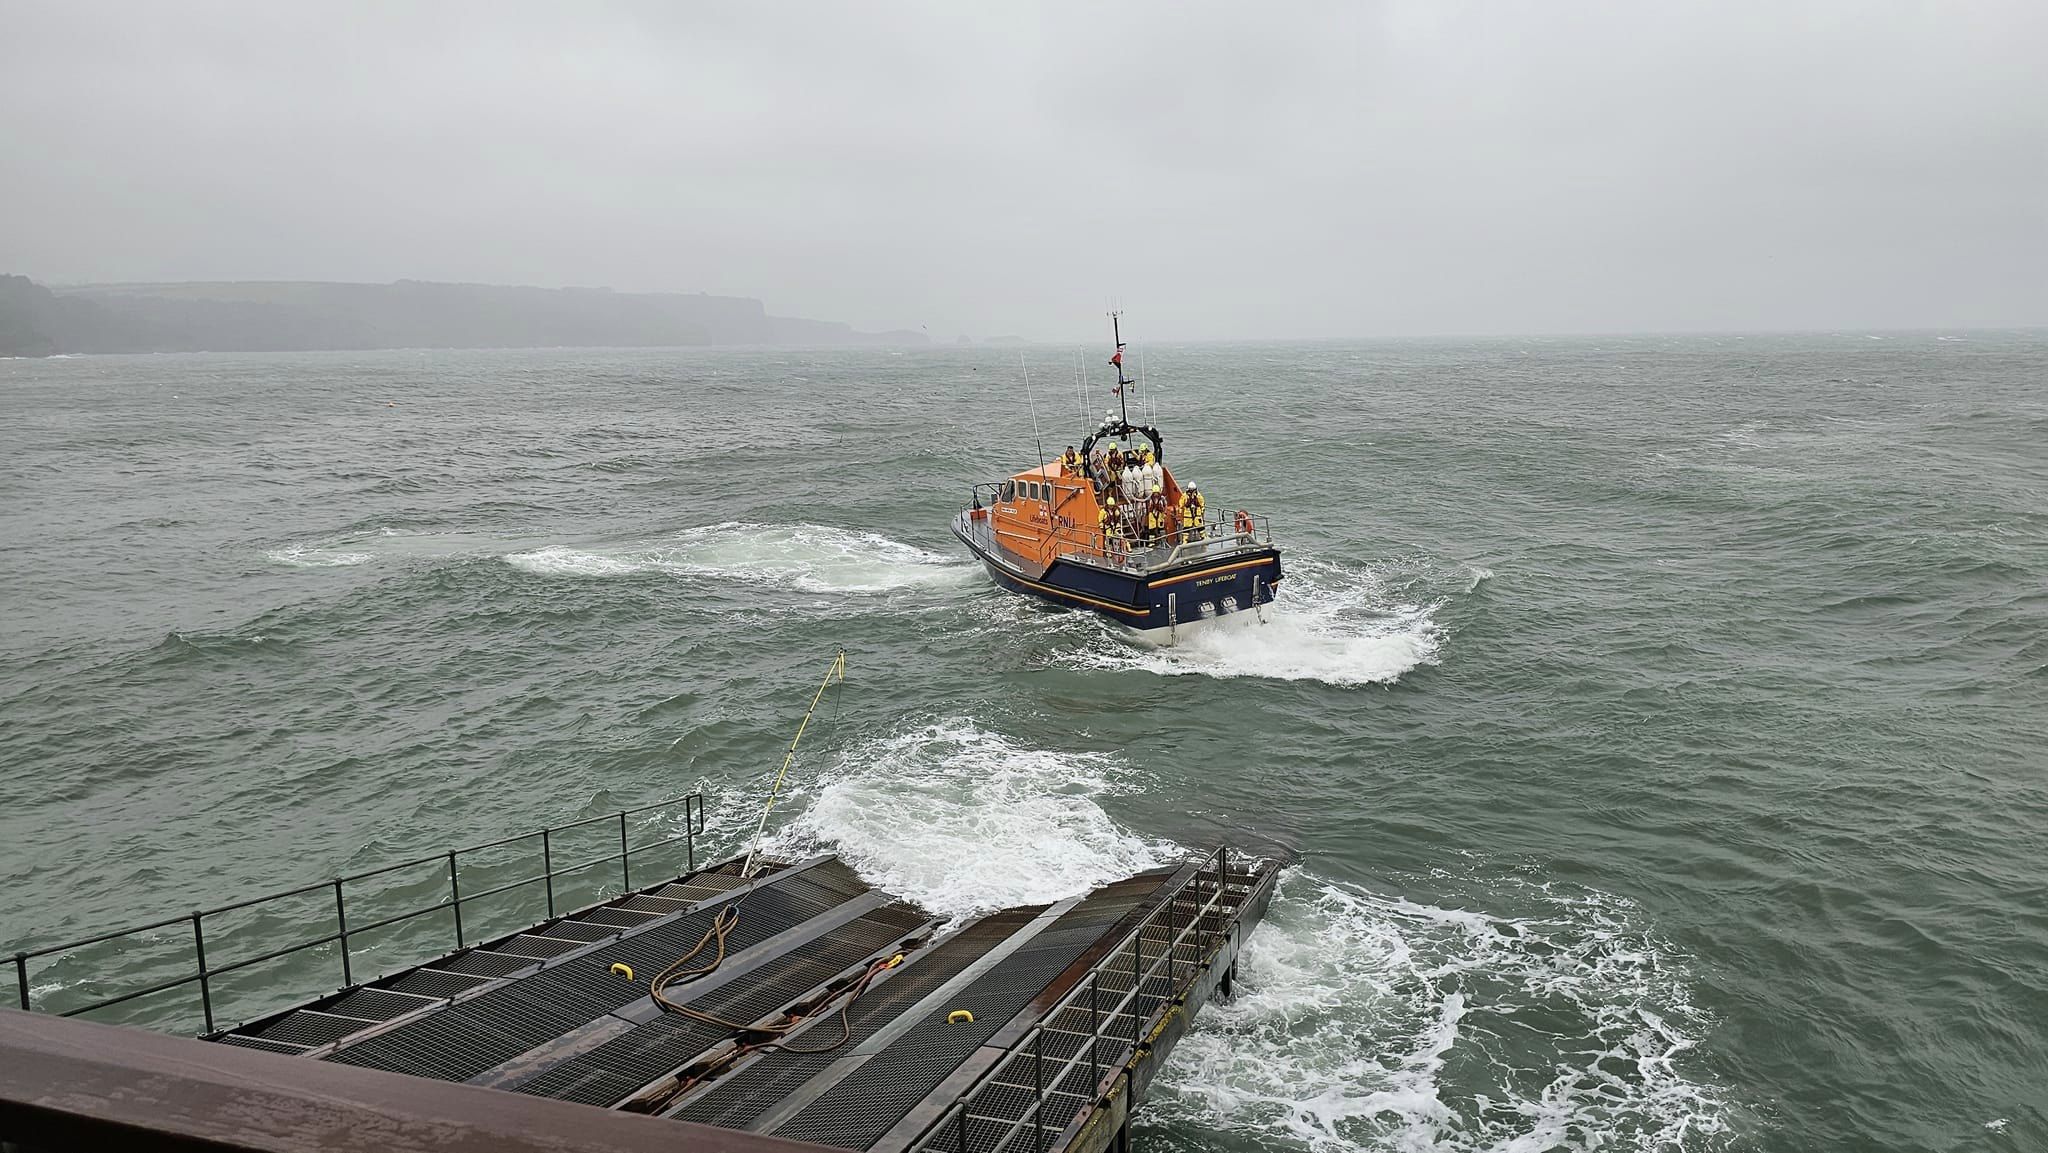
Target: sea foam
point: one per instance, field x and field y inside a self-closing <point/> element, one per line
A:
<point x="1367" y="1022"/>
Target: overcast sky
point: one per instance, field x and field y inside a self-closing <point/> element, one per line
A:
<point x="1222" y="170"/>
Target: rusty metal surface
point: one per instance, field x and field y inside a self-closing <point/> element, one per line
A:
<point x="71" y="1084"/>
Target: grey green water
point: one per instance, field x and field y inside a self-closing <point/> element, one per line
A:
<point x="1656" y="725"/>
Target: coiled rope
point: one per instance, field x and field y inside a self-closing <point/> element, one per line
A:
<point x="682" y="972"/>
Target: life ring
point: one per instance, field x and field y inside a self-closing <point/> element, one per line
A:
<point x="1244" y="523"/>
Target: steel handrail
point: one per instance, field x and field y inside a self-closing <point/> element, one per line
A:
<point x="694" y="825"/>
<point x="1033" y="1038"/>
<point x="1168" y="956"/>
<point x="1217" y="535"/>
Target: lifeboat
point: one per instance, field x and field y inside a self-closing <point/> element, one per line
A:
<point x="1110" y="528"/>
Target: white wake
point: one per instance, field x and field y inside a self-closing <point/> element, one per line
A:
<point x="804" y="557"/>
<point x="1330" y="623"/>
<point x="310" y="556"/>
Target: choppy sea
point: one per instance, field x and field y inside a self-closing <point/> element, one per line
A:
<point x="1657" y="727"/>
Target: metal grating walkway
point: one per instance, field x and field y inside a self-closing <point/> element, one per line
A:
<point x="872" y="1098"/>
<point x="1068" y="1002"/>
<point x="480" y="1032"/>
<point x="615" y="1068"/>
<point x="738" y="1100"/>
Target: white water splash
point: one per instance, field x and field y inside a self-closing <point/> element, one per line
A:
<point x="1361" y="1022"/>
<point x="1329" y="624"/>
<point x="963" y="820"/>
<point x="1365" y="1023"/>
<point x="805" y="557"/>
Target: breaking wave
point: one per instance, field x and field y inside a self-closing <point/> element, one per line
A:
<point x="963" y="820"/>
<point x="1330" y="623"/>
<point x="1369" y="1022"/>
<point x="805" y="557"/>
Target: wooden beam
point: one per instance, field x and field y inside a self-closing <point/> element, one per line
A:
<point x="72" y="1084"/>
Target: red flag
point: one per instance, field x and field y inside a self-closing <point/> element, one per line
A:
<point x="1118" y="359"/>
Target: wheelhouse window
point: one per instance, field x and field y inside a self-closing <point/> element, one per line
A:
<point x="1009" y="491"/>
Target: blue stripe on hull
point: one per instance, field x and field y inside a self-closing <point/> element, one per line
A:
<point x="1131" y="602"/>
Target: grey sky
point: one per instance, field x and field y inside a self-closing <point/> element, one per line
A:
<point x="1226" y="170"/>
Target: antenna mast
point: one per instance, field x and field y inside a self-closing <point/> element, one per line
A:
<point x="1035" y="438"/>
<point x="1081" y="385"/>
<point x="1123" y="383"/>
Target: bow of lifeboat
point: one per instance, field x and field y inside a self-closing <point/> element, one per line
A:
<point x="1051" y="532"/>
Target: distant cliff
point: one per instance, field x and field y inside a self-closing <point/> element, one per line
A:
<point x="294" y="316"/>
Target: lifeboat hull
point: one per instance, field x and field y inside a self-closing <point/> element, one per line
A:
<point x="1144" y="599"/>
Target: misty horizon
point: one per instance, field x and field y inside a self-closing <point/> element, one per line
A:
<point x="1089" y="339"/>
<point x="1380" y="171"/>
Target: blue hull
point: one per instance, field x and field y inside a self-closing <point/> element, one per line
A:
<point x="1154" y="600"/>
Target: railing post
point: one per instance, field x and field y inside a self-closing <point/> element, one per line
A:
<point x="689" y="835"/>
<point x="455" y="895"/>
<point x="547" y="869"/>
<point x="1137" y="987"/>
<point x="963" y="1127"/>
<point x="205" y="986"/>
<point x="625" y="869"/>
<point x="341" y="927"/>
<point x="21" y="977"/>
<point x="1222" y="889"/>
<point x="1038" y="1087"/>
<point x="1094" y="1032"/>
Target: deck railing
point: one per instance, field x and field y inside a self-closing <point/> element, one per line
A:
<point x="1218" y="535"/>
<point x="544" y="841"/>
<point x="1086" y="1021"/>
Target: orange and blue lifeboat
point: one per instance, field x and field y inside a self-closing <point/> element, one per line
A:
<point x="1116" y="533"/>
